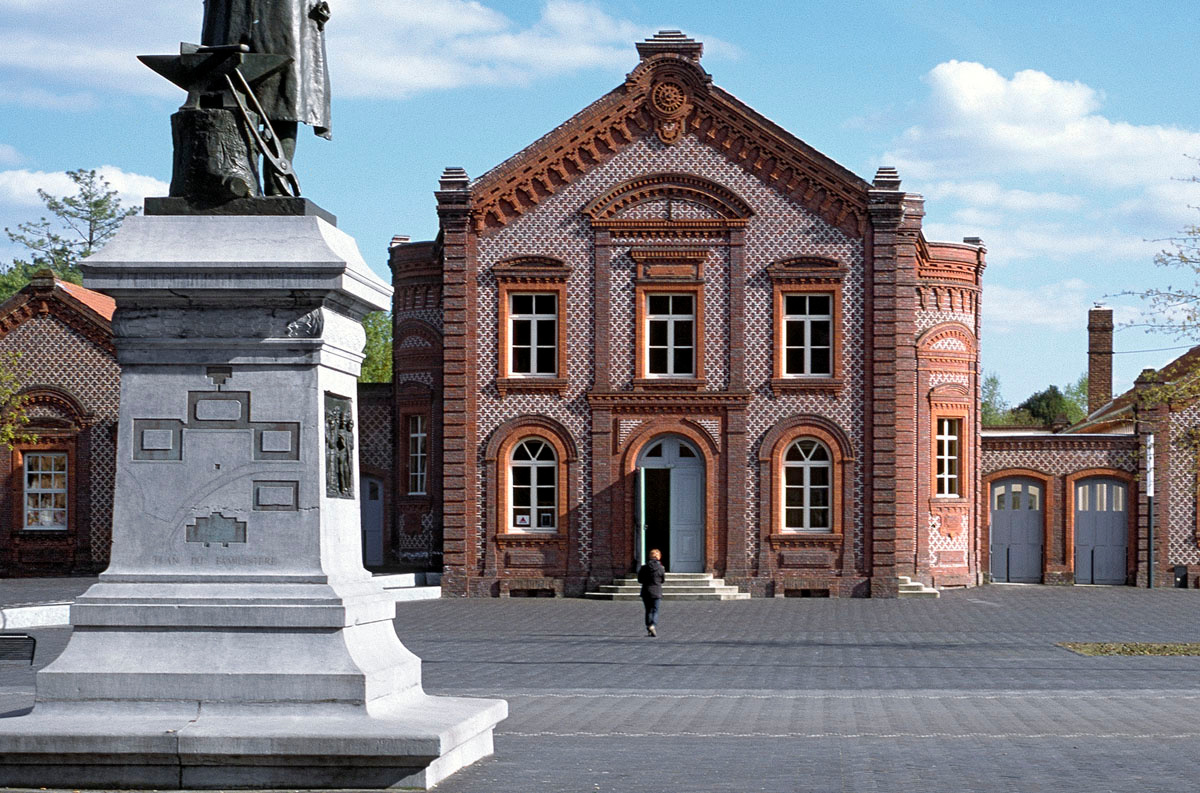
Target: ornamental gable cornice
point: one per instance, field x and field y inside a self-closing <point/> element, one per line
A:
<point x="670" y="95"/>
<point x="36" y="300"/>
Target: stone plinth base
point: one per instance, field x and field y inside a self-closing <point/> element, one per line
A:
<point x="203" y="746"/>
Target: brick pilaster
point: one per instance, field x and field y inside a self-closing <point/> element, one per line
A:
<point x="458" y="447"/>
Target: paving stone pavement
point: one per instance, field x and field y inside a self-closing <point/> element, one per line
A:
<point x="965" y="693"/>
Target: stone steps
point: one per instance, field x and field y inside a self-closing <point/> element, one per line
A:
<point x="677" y="586"/>
<point x="915" y="589"/>
<point x="405" y="587"/>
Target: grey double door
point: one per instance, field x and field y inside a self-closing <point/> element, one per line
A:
<point x="1017" y="530"/>
<point x="1101" y="531"/>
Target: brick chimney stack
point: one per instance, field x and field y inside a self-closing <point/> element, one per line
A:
<point x="1100" y="352"/>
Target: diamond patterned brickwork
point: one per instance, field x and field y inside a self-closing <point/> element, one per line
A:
<point x="53" y="353"/>
<point x="1058" y="462"/>
<point x="928" y="318"/>
<point x="778" y="229"/>
<point x="1182" y="538"/>
<point x="375" y="433"/>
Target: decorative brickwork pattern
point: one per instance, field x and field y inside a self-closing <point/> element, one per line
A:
<point x="53" y="353"/>
<point x="1058" y="462"/>
<point x="1183" y="541"/>
<point x="778" y="229"/>
<point x="375" y="433"/>
<point x="929" y="318"/>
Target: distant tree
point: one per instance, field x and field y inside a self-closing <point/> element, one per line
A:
<point x="1076" y="395"/>
<point x="377" y="366"/>
<point x="1045" y="406"/>
<point x="13" y="417"/>
<point x="82" y="224"/>
<point x="993" y="406"/>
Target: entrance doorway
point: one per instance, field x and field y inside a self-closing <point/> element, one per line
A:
<point x="371" y="515"/>
<point x="1101" y="531"/>
<point x="670" y="510"/>
<point x="1016" y="530"/>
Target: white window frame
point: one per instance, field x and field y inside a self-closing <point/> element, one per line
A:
<point x="807" y="488"/>
<point x="806" y="320"/>
<point x="33" y="465"/>
<point x="418" y="457"/>
<point x="947" y="456"/>
<point x="536" y="342"/>
<point x="535" y="466"/>
<point x="672" y="345"/>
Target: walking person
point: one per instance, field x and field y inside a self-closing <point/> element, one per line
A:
<point x="651" y="577"/>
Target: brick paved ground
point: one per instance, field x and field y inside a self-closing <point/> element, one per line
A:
<point x="965" y="693"/>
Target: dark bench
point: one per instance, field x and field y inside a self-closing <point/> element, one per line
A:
<point x="17" y="648"/>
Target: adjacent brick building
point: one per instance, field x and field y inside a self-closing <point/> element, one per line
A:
<point x="56" y="507"/>
<point x="671" y="322"/>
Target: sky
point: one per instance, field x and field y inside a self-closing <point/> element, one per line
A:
<point x="1059" y="132"/>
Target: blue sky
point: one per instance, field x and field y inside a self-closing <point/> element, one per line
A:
<point x="1056" y="131"/>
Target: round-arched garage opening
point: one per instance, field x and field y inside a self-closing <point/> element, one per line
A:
<point x="1101" y="531"/>
<point x="1017" y="530"/>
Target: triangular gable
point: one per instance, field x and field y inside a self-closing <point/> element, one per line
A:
<point x="669" y="94"/>
<point x="89" y="313"/>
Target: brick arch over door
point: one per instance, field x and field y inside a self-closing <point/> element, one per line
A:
<point x="1050" y="503"/>
<point x="715" y="543"/>
<point x="771" y="450"/>
<point x="565" y="541"/>
<point x="1131" y="500"/>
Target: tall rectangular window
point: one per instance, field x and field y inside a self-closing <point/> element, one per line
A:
<point x="533" y="335"/>
<point x="949" y="457"/>
<point x="417" y="457"/>
<point x="45" y="490"/>
<point x="671" y="335"/>
<point x="807" y="335"/>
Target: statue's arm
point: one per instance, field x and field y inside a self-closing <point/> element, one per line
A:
<point x="320" y="14"/>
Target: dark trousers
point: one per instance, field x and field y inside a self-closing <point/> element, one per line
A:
<point x="651" y="605"/>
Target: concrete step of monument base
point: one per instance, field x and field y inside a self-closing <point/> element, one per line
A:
<point x="405" y="587"/>
<point x="165" y="745"/>
<point x="677" y="586"/>
<point x="915" y="589"/>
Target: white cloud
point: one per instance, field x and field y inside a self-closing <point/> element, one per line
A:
<point x="1060" y="306"/>
<point x="9" y="154"/>
<point x="1034" y="124"/>
<point x="19" y="188"/>
<point x="993" y="195"/>
<point x="54" y="53"/>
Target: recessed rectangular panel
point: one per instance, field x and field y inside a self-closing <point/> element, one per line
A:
<point x="218" y="409"/>
<point x="276" y="496"/>
<point x="157" y="440"/>
<point x="276" y="441"/>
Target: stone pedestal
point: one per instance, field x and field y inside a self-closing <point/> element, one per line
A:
<point x="235" y="640"/>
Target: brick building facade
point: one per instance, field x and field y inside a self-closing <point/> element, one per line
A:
<point x="670" y="321"/>
<point x="56" y="507"/>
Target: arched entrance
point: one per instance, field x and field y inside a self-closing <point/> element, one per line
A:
<point x="670" y="513"/>
<point x="1101" y="530"/>
<point x="1016" y="530"/>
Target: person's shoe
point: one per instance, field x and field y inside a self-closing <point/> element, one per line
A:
<point x="652" y="631"/>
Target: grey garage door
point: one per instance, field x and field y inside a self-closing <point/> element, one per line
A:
<point x="1016" y="530"/>
<point x="1101" y="531"/>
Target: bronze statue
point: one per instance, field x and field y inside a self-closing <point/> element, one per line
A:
<point x="297" y="93"/>
<point x="259" y="72"/>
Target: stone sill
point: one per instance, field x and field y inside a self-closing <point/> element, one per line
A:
<point x="806" y="385"/>
<point x="804" y="538"/>
<point x="669" y="383"/>
<point x="531" y="385"/>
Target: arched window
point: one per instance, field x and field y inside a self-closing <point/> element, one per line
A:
<point x="533" y="487"/>
<point x="807" y="482"/>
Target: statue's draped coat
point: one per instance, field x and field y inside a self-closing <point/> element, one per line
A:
<point x="299" y="92"/>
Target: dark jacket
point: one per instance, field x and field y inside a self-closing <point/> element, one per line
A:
<point x="651" y="577"/>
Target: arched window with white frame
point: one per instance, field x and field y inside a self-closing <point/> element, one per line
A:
<point x="807" y="487"/>
<point x="533" y="487"/>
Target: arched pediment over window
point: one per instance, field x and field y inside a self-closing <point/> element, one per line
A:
<point x="721" y="203"/>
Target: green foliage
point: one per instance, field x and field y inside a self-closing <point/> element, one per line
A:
<point x="994" y="407"/>
<point x="1077" y="399"/>
<point x="12" y="402"/>
<point x="377" y="366"/>
<point x="1045" y="406"/>
<point x="82" y="224"/>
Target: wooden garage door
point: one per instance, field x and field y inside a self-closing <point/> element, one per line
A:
<point x="1016" y="530"/>
<point x="1101" y="531"/>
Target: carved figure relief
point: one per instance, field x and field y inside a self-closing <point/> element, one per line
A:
<point x="339" y="447"/>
